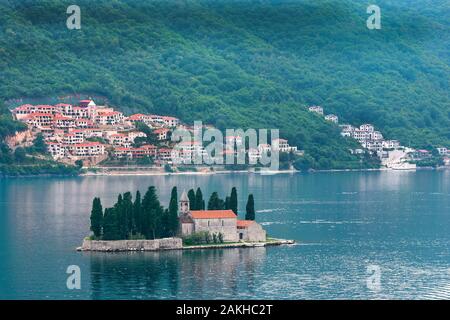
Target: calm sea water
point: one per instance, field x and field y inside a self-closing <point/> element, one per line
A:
<point x="343" y="223"/>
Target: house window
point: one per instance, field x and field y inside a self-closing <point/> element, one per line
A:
<point x="208" y="223"/>
<point x="223" y="223"/>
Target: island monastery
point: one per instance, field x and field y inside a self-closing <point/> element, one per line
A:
<point x="218" y="221"/>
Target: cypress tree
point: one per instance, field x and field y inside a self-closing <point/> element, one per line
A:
<point x="215" y="203"/>
<point x="97" y="217"/>
<point x="137" y="214"/>
<point x="127" y="215"/>
<point x="111" y="225"/>
<point x="164" y="229"/>
<point x="250" y="208"/>
<point x="234" y="201"/>
<point x="192" y="203"/>
<point x="121" y="218"/>
<point x="173" y="213"/>
<point x="152" y="214"/>
<point x="227" y="203"/>
<point x="199" y="202"/>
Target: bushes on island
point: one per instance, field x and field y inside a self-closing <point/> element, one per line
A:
<point x="203" y="237"/>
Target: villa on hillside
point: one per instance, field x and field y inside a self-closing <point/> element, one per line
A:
<point x="218" y="221"/>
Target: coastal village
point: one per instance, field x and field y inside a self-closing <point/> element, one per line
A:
<point x="88" y="134"/>
<point x="91" y="133"/>
<point x="391" y="153"/>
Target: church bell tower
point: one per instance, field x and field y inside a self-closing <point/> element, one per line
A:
<point x="184" y="204"/>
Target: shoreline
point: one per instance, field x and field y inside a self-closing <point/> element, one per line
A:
<point x="166" y="244"/>
<point x="162" y="173"/>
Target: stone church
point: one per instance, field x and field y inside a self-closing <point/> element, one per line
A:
<point x="218" y="221"/>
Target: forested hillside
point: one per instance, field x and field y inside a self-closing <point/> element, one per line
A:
<point x="243" y="64"/>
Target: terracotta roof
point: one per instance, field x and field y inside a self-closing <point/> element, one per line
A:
<point x="242" y="224"/>
<point x="213" y="214"/>
<point x="44" y="106"/>
<point x="137" y="116"/>
<point x="108" y="113"/>
<point x="161" y="130"/>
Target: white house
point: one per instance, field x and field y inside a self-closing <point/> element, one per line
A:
<point x="332" y="118"/>
<point x="316" y="109"/>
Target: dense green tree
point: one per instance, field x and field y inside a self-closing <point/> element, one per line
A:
<point x="152" y="213"/>
<point x="173" y="212"/>
<point x="111" y="230"/>
<point x="137" y="223"/>
<point x="227" y="203"/>
<point x="192" y="202"/>
<point x="234" y="201"/>
<point x="127" y="214"/>
<point x="20" y="155"/>
<point x="39" y="144"/>
<point x="215" y="203"/>
<point x="151" y="137"/>
<point x="250" y="208"/>
<point x="97" y="217"/>
<point x="199" y="202"/>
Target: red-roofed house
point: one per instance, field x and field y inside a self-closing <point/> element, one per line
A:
<point x="249" y="230"/>
<point x="109" y="117"/>
<point x="135" y="153"/>
<point x="87" y="103"/>
<point x="87" y="149"/>
<point x="39" y="119"/>
<point x="170" y="122"/>
<point x="161" y="133"/>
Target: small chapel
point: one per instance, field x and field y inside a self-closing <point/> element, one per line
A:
<point x="218" y="221"/>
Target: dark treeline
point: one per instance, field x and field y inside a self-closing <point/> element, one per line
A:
<point x="146" y="218"/>
<point x="139" y="219"/>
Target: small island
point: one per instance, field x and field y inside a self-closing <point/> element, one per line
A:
<point x="145" y="225"/>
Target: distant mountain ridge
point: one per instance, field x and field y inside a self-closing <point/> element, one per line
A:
<point x="244" y="64"/>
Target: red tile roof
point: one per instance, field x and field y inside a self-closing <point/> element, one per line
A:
<point x="161" y="130"/>
<point x="137" y="116"/>
<point x="242" y="224"/>
<point x="213" y="214"/>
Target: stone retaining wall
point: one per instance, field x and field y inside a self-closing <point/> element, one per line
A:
<point x="132" y="245"/>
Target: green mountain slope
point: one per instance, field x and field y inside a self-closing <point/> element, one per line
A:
<point x="243" y="64"/>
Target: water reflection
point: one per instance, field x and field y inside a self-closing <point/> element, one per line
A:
<point x="174" y="274"/>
